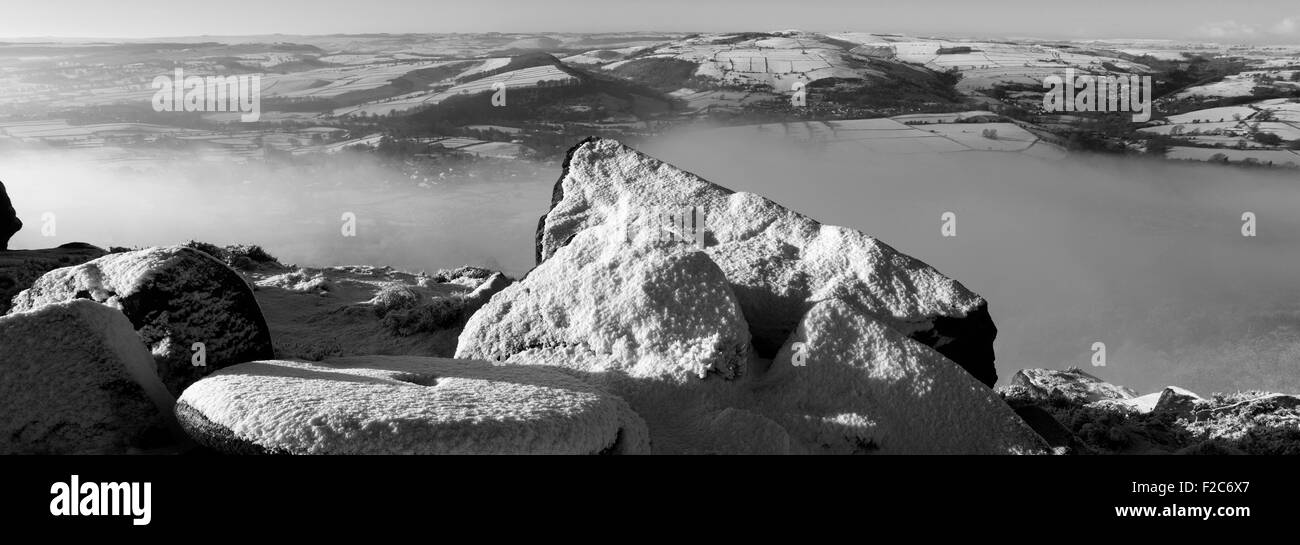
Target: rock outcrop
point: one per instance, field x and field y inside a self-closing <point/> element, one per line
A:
<point x="779" y="263"/>
<point x="654" y="323"/>
<point x="674" y="294"/>
<point x="19" y="268"/>
<point x="75" y="379"/>
<point x="661" y="310"/>
<point x="175" y="297"/>
<point x="845" y="383"/>
<point x="9" y="222"/>
<point x="484" y="292"/>
<point x="1179" y="401"/>
<point x="405" y="405"/>
<point x="1073" y="384"/>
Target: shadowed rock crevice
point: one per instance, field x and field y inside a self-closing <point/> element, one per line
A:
<point x="9" y="222"/>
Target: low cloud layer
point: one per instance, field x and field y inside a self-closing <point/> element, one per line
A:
<point x="1145" y="256"/>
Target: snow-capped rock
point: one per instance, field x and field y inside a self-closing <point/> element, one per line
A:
<point x="653" y="322"/>
<point x="19" y="268"/>
<point x="484" y="292"/>
<point x="9" y="222"/>
<point x="1172" y="399"/>
<point x="1074" y="384"/>
<point x="846" y="383"/>
<point x="1179" y="401"/>
<point x="682" y="412"/>
<point x="175" y="297"/>
<point x="75" y="378"/>
<point x="662" y="310"/>
<point x="405" y="405"/>
<point x="1141" y="404"/>
<point x="779" y="263"/>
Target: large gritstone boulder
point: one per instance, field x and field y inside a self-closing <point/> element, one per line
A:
<point x="75" y="379"/>
<point x="181" y="301"/>
<point x="779" y="263"/>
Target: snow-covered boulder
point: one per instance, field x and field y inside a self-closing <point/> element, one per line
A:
<point x="405" y="405"/>
<point x="847" y="383"/>
<point x="682" y="411"/>
<point x="661" y="310"/>
<point x="475" y="300"/>
<point x="1074" y="384"/>
<point x="1172" y="399"/>
<point x="75" y="378"/>
<point x="1140" y="404"/>
<point x="1179" y="401"/>
<point x="19" y="268"/>
<point x="9" y="222"/>
<point x="175" y="297"/>
<point x="653" y="322"/>
<point x="778" y="262"/>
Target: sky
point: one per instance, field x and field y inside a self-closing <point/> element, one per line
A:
<point x="1252" y="21"/>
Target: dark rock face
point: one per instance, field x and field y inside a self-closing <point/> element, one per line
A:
<point x="19" y="268"/>
<point x="175" y="297"/>
<point x="216" y="437"/>
<point x="9" y="222"/>
<point x="1055" y="433"/>
<point x="779" y="263"/>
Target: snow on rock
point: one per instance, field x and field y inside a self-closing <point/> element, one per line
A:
<point x="405" y="405"/>
<point x="1074" y="384"/>
<point x="854" y="385"/>
<point x="1141" y="404"/>
<point x="175" y="297"/>
<point x="19" y="268"/>
<point x="778" y="262"/>
<point x="484" y="292"/>
<point x="682" y="413"/>
<point x="1172" y="399"/>
<point x="9" y="222"/>
<point x="1179" y="401"/>
<point x="663" y="310"/>
<point x="654" y="322"/>
<point x="75" y="378"/>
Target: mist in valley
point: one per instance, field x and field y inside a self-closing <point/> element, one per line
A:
<point x="1145" y="256"/>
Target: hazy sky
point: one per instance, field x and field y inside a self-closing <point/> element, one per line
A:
<point x="1259" y="21"/>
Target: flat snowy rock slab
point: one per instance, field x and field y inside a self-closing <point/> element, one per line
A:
<point x="405" y="405"/>
<point x="75" y="379"/>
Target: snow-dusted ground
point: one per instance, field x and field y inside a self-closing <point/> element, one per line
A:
<point x="1276" y="157"/>
<point x="988" y="63"/>
<point x="514" y="79"/>
<point x="1240" y="85"/>
<point x="316" y="313"/>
